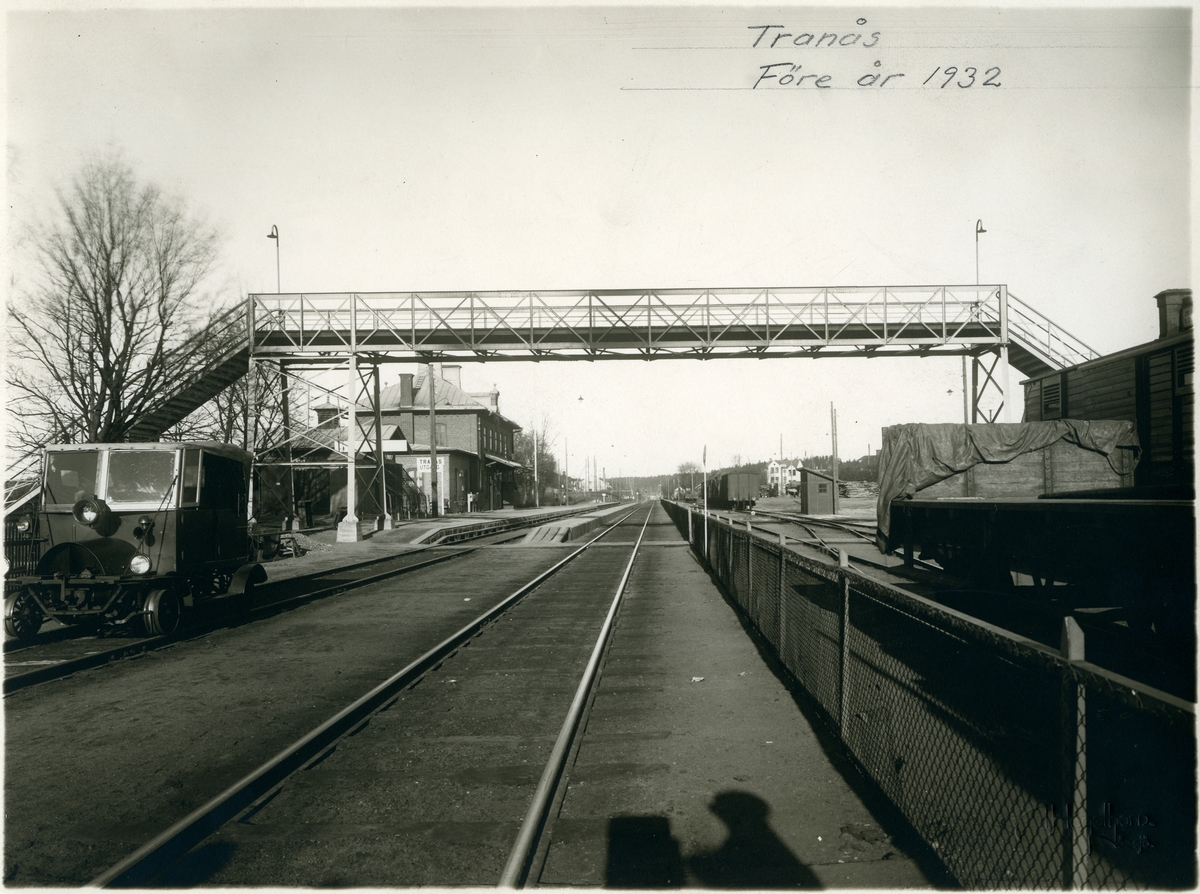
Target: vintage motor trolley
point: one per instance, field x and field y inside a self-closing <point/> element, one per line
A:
<point x="135" y="534"/>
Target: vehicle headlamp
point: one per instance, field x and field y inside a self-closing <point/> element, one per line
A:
<point x="89" y="511"/>
<point x="139" y="564"/>
<point x="24" y="524"/>
<point x="144" y="524"/>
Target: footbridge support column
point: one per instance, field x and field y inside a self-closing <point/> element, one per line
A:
<point x="348" y="531"/>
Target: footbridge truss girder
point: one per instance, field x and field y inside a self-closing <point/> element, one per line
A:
<point x="870" y="321"/>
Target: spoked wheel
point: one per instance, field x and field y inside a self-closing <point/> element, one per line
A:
<point x="162" y="613"/>
<point x="22" y="615"/>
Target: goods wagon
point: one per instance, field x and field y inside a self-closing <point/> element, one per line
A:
<point x="733" y="490"/>
<point x="1149" y="385"/>
<point x="133" y="534"/>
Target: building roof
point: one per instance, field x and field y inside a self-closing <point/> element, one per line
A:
<point x="448" y="397"/>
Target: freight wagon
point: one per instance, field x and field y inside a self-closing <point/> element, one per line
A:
<point x="1103" y="506"/>
<point x="1149" y="385"/>
<point x="733" y="490"/>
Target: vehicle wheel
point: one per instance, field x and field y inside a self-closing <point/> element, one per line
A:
<point x="162" y="613"/>
<point x="22" y="615"/>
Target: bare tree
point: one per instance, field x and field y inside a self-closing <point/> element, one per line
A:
<point x="548" y="482"/>
<point x="690" y="469"/>
<point x="113" y="316"/>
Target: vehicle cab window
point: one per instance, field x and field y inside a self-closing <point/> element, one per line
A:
<point x="140" y="476"/>
<point x="71" y="476"/>
<point x="191" y="477"/>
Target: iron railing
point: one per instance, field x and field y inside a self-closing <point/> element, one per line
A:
<point x="1020" y="768"/>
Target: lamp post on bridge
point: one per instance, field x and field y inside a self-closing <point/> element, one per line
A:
<point x="274" y="234"/>
<point x="968" y="398"/>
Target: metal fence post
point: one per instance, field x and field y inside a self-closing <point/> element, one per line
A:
<point x="726" y="555"/>
<point x="691" y="538"/>
<point x="844" y="635"/>
<point x="749" y="567"/>
<point x="782" y="599"/>
<point x="1076" y="845"/>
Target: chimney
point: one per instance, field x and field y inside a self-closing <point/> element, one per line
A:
<point x="452" y="374"/>
<point x="1174" y="311"/>
<point x="494" y="400"/>
<point x="406" y="389"/>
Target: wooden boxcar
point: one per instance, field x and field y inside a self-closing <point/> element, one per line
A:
<point x="1150" y="385"/>
<point x="733" y="490"/>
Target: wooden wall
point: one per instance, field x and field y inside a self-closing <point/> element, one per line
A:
<point x="1150" y="385"/>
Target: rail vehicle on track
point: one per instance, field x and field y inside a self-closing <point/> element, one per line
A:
<point x="733" y="490"/>
<point x="134" y="534"/>
<point x="1108" y="508"/>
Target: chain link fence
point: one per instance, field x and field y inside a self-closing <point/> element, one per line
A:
<point x="1020" y="768"/>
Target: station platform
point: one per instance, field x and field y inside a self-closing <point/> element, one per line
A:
<point x="323" y="552"/>
<point x="699" y="768"/>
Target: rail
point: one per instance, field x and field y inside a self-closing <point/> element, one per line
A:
<point x="152" y="859"/>
<point x="1020" y="766"/>
<point x="523" y="850"/>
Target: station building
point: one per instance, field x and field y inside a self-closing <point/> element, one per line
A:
<point x="475" y="451"/>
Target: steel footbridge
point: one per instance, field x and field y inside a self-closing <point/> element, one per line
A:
<point x="622" y="324"/>
<point x="298" y="331"/>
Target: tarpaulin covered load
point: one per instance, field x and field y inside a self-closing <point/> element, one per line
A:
<point x="915" y="456"/>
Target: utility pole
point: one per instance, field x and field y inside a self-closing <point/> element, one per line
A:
<point x="537" y="489"/>
<point x="833" y="420"/>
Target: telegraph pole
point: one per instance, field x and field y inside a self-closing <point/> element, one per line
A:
<point x="833" y="421"/>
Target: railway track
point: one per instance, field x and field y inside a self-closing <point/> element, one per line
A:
<point x="859" y="532"/>
<point x="576" y="599"/>
<point x="66" y="651"/>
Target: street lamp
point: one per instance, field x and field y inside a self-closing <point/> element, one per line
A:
<point x="978" y="229"/>
<point x="274" y="234"/>
<point x="966" y="387"/>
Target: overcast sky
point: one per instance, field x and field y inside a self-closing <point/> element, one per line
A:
<point x="410" y="148"/>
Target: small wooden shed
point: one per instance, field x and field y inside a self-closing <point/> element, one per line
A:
<point x="818" y="493"/>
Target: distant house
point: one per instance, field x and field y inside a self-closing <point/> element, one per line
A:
<point x="783" y="478"/>
<point x="475" y="449"/>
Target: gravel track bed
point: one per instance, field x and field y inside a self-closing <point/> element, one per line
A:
<point x="98" y="763"/>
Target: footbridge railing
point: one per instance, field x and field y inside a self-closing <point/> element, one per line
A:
<point x="648" y="324"/>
